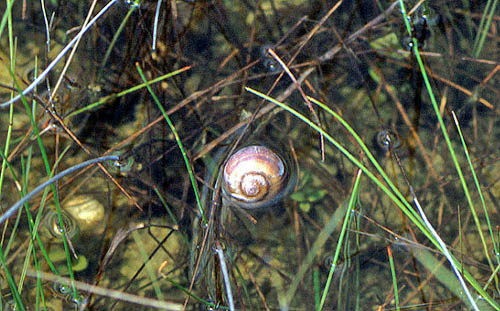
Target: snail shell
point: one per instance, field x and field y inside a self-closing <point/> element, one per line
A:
<point x="88" y="212"/>
<point x="255" y="177"/>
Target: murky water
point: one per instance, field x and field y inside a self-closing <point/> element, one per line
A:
<point x="139" y="228"/>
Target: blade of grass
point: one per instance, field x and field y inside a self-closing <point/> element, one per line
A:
<point x="468" y="18"/>
<point x="435" y="106"/>
<point x="116" y="35"/>
<point x="484" y="26"/>
<point x="60" y="56"/>
<point x="34" y="232"/>
<point x="7" y="144"/>
<point x="190" y="294"/>
<point x="320" y="241"/>
<point x="179" y="143"/>
<point x="357" y="260"/>
<point x="481" y="26"/>
<point x="15" y="292"/>
<point x="16" y="224"/>
<point x="167" y="208"/>
<point x="11" y="282"/>
<point x="149" y="269"/>
<point x="492" y="277"/>
<point x="51" y="181"/>
<point x="21" y="190"/>
<point x="395" y="196"/>
<point x="13" y="230"/>
<point x="394" y="279"/>
<point x="111" y="97"/>
<point x="242" y="280"/>
<point x="347" y="218"/>
<point x="443" y="275"/>
<point x="403" y="205"/>
<point x="6" y="13"/>
<point x="447" y="254"/>
<point x="317" y="297"/>
<point x="11" y="109"/>
<point x="479" y="191"/>
<point x="445" y="133"/>
<point x="12" y="68"/>
<point x="46" y="164"/>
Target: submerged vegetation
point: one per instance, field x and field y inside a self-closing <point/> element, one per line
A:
<point x="378" y="189"/>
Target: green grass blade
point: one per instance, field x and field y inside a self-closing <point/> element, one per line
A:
<point x="12" y="52"/>
<point x="394" y="279"/>
<point x="190" y="294"/>
<point x="443" y="130"/>
<point x="6" y="13"/>
<point x="6" y="148"/>
<point x="484" y="26"/>
<point x="43" y="152"/>
<point x="167" y="208"/>
<point x="111" y="97"/>
<point x="320" y="241"/>
<point x="396" y="198"/>
<point x="116" y="35"/>
<point x="11" y="282"/>
<point x="480" y="192"/>
<point x="149" y="269"/>
<point x="481" y="26"/>
<point x="317" y="297"/>
<point x="347" y="218"/>
<point x="444" y="275"/>
<point x="402" y="205"/>
<point x="179" y="143"/>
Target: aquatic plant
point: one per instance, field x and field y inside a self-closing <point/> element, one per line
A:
<point x="381" y="121"/>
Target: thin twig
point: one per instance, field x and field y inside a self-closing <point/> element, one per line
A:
<point x="52" y="180"/>
<point x="46" y="21"/>
<point x="155" y="25"/>
<point x="225" y="274"/>
<point x="73" y="51"/>
<point x="42" y="76"/>
<point x="106" y="292"/>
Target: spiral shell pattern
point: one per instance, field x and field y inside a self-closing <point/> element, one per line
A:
<point x="254" y="176"/>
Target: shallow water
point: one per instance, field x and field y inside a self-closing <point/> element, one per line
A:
<point x="142" y="232"/>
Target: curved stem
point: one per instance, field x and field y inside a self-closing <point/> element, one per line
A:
<point x="52" y="180"/>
